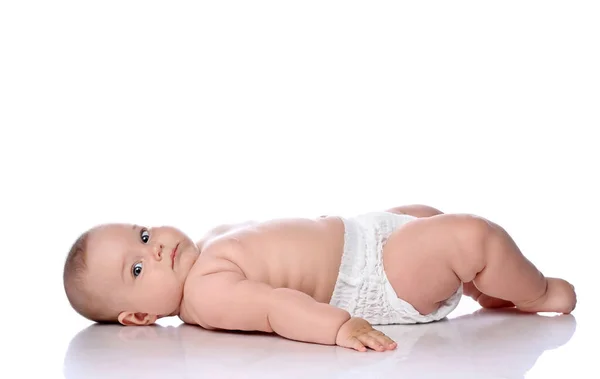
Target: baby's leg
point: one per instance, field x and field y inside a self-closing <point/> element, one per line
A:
<point x="427" y="259"/>
<point x="486" y="301"/>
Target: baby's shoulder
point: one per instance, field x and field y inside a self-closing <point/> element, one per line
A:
<point x="219" y="233"/>
<point x="218" y="254"/>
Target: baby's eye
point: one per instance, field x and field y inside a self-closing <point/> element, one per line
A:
<point x="145" y="236"/>
<point x="136" y="270"/>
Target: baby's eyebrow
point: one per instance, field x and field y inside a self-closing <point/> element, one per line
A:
<point x="123" y="270"/>
<point x="134" y="226"/>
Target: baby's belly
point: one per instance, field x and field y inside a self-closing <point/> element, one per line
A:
<point x="305" y="257"/>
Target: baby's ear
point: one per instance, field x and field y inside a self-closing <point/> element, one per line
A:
<point x="136" y="318"/>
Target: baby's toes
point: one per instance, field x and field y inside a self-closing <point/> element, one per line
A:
<point x="561" y="295"/>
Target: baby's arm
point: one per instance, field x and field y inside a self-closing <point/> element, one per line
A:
<point x="416" y="210"/>
<point x="227" y="300"/>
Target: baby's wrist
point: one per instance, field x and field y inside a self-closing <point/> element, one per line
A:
<point x="341" y="325"/>
<point x="337" y="323"/>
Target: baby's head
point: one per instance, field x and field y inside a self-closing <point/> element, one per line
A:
<point x="128" y="273"/>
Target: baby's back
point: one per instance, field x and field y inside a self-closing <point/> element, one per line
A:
<point x="301" y="254"/>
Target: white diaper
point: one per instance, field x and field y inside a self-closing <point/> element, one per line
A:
<point x="362" y="287"/>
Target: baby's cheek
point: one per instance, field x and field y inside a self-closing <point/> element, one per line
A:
<point x="166" y="289"/>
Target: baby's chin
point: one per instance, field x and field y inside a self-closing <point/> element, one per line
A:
<point x="168" y="308"/>
<point x="185" y="258"/>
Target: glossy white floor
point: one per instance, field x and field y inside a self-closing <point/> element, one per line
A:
<point x="471" y="344"/>
<point x="197" y="114"/>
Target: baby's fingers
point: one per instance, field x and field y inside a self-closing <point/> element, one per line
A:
<point x="355" y="344"/>
<point x="386" y="341"/>
<point x="372" y="341"/>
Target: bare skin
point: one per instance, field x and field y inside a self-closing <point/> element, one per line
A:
<point x="278" y="276"/>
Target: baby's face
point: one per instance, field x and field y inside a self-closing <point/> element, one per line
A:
<point x="139" y="272"/>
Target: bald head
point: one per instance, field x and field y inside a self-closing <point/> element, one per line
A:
<point x="78" y="292"/>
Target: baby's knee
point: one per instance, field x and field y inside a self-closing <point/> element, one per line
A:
<point x="472" y="234"/>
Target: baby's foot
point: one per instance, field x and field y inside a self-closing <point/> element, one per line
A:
<point x="559" y="297"/>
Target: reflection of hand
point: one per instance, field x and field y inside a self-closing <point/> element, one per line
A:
<point x="358" y="334"/>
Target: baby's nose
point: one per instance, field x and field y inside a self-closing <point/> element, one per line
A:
<point x="158" y="251"/>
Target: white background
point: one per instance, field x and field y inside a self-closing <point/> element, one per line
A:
<point x="199" y="113"/>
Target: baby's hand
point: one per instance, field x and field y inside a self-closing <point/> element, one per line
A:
<point x="358" y="334"/>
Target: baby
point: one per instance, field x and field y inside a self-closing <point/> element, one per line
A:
<point x="325" y="280"/>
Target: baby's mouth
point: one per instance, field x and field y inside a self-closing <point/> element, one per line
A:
<point x="173" y="254"/>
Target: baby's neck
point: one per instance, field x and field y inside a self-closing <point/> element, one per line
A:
<point x="176" y="311"/>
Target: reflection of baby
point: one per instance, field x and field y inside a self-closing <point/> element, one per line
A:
<point x="486" y="344"/>
<point x="324" y="280"/>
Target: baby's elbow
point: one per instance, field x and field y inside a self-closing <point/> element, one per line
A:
<point x="251" y="319"/>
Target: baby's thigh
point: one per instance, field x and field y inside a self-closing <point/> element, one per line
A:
<point x="417" y="262"/>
